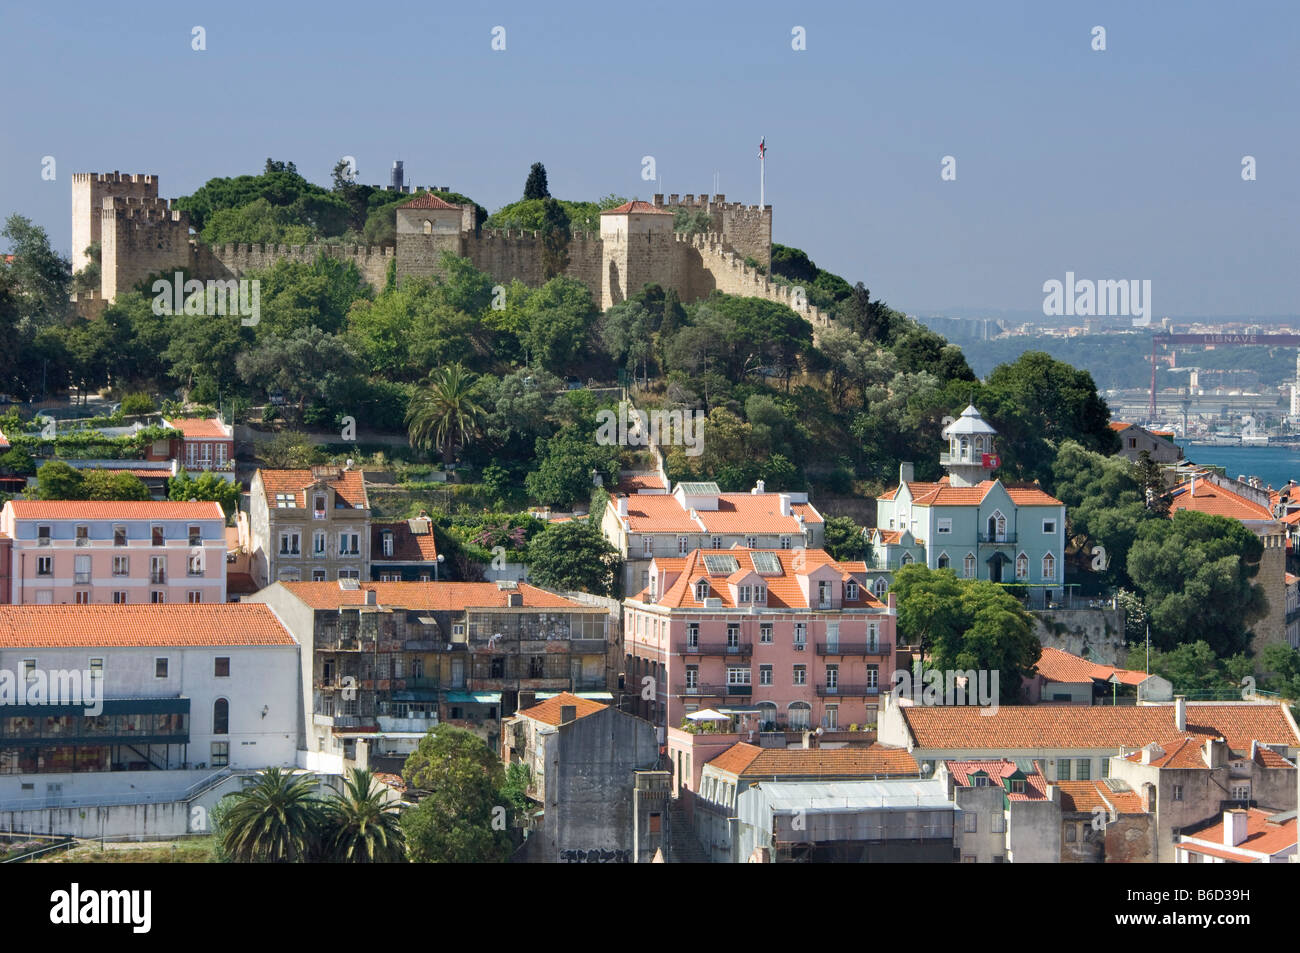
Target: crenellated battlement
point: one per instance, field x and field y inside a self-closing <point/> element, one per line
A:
<point x="116" y="178"/>
<point x="708" y="203"/>
<point x="245" y="250"/>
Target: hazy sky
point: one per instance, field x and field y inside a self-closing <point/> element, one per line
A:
<point x="1117" y="164"/>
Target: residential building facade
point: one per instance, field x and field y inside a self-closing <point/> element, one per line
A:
<point x="83" y="552"/>
<point x="309" y="525"/>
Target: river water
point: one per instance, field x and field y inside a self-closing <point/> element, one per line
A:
<point x="1273" y="465"/>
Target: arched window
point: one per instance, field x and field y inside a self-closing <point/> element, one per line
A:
<point x="906" y="560"/>
<point x="965" y="448"/>
<point x="428" y="227"/>
<point x="767" y="716"/>
<point x="701" y="591"/>
<point x="944" y="561"/>
<point x="800" y="714"/>
<point x="1022" y="567"/>
<point x="1049" y="567"/>
<point x="221" y="717"/>
<point x="880" y="587"/>
<point x="968" y="564"/>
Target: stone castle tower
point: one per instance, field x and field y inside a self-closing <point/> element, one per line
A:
<point x="141" y="234"/>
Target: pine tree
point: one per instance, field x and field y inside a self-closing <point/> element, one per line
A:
<point x="536" y="187"/>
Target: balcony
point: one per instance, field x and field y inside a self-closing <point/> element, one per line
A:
<point x="845" y="690"/>
<point x="855" y="648"/>
<point x="158" y="577"/>
<point x="81" y="578"/>
<point x="998" y="539"/>
<point x="720" y="691"/>
<point x="738" y="650"/>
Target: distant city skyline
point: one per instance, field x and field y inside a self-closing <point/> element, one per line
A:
<point x="1124" y="163"/>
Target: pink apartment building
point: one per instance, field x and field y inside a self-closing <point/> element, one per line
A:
<point x="206" y="444"/>
<point x="83" y="552"/>
<point x="791" y="636"/>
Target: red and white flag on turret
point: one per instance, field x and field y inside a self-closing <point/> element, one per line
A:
<point x="762" y="147"/>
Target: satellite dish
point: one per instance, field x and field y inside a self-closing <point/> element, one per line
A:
<point x="926" y="769"/>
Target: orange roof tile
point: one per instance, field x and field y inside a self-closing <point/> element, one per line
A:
<point x="1268" y="758"/>
<point x="783" y="590"/>
<point x="116" y="510"/>
<point x="1001" y="769"/>
<point x="1056" y="665"/>
<point x="736" y="758"/>
<point x="549" y="710"/>
<point x="1085" y="797"/>
<point x="428" y="200"/>
<point x="1099" y="726"/>
<point x="1262" y="836"/>
<point x="195" y="428"/>
<point x="633" y="483"/>
<point x="349" y="485"/>
<point x="637" y="206"/>
<point x="178" y="624"/>
<point x="410" y="544"/>
<point x="425" y="595"/>
<point x="1207" y="497"/>
<point x="1118" y="425"/>
<point x="873" y="760"/>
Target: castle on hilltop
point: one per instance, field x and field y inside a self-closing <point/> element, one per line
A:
<point x="141" y="234"/>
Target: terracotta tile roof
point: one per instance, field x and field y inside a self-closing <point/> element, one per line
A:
<point x="349" y="485"/>
<point x="1037" y="727"/>
<point x="199" y="427"/>
<point x="872" y="760"/>
<point x="637" y="206"/>
<point x="736" y="513"/>
<point x="1000" y="769"/>
<point x="1207" y="497"/>
<point x="116" y="510"/>
<point x="1180" y="752"/>
<point x="657" y="513"/>
<point x="890" y="537"/>
<point x="1056" y="665"/>
<point x="736" y="758"/>
<point x="107" y="626"/>
<point x="1167" y="434"/>
<point x="428" y="200"/>
<point x="783" y="590"/>
<point x="549" y="710"/>
<point x="1268" y="758"/>
<point x="946" y="495"/>
<point x="1084" y="797"/>
<point x="412" y="541"/>
<point x="632" y="483"/>
<point x="424" y="595"/>
<point x="1118" y="425"/>
<point x="1262" y="835"/>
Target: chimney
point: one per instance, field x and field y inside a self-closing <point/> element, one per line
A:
<point x="372" y="597"/>
<point x="759" y="487"/>
<point x="622" y="507"/>
<point x="1180" y="712"/>
<point x="1234" y="827"/>
<point x="785" y="504"/>
<point x="906" y="473"/>
<point x="568" y="713"/>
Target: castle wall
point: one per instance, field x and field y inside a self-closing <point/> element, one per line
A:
<point x="140" y="237"/>
<point x="746" y="229"/>
<point x="706" y="266"/>
<point x="237" y="260"/>
<point x="507" y="254"/>
<point x="89" y="190"/>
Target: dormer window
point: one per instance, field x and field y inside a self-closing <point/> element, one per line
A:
<point x="388" y="542"/>
<point x="760" y="595"/>
<point x="318" y="507"/>
<point x="851" y="590"/>
<point x="701" y="591"/>
<point x="286" y="501"/>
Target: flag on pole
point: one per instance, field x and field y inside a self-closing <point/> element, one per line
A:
<point x="762" y="147"/>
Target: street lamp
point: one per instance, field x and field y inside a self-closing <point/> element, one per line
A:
<point x="436" y="564"/>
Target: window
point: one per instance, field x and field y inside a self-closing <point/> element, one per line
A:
<point x="160" y="668"/>
<point x="1178" y="792"/>
<point x="97" y="668"/>
<point x="1049" y="567"/>
<point x="286" y="501"/>
<point x="349" y="573"/>
<point x="1022" y="567"/>
<point x="851" y="590"/>
<point x="349" y="544"/>
<point x="760" y="595"/>
<point x="981" y="781"/>
<point x="971" y="821"/>
<point x="692" y="635"/>
<point x="44" y="565"/>
<point x="119" y="598"/>
<point x="998" y="822"/>
<point x="194" y="564"/>
<point x="943" y="526"/>
<point x="157" y="570"/>
<point x="873" y="635"/>
<point x="536" y="666"/>
<point x="751" y="542"/>
<point x="318" y="507"/>
<point x="318" y="544"/>
<point x="1049" y="526"/>
<point x="800" y="636"/>
<point x="157" y="597"/>
<point x="968" y="565"/>
<point x="873" y="676"/>
<point x="1085" y="770"/>
<point x="692" y="677"/>
<point x="119" y="535"/>
<point x="158" y="537"/>
<point x="83" y="535"/>
<point x="801" y="675"/>
<point x="194" y="596"/>
<point x="746" y="594"/>
<point x="737" y="675"/>
<point x="733" y="636"/>
<point x="944" y="561"/>
<point x="497" y="668"/>
<point x="220" y="756"/>
<point x="832" y="678"/>
<point x="81" y="597"/>
<point x="765" y="675"/>
<point x="765" y="633"/>
<point x="387" y="541"/>
<point x="682" y="545"/>
<point x="289" y="544"/>
<point x="1063" y="769"/>
<point x="221" y="717"/>
<point x="1017" y="786"/>
<point x="715" y="542"/>
<point x="1071" y="833"/>
<point x="1132" y="443"/>
<point x="42" y="536"/>
<point x="318" y="575"/>
<point x="121" y="565"/>
<point x="648" y="545"/>
<point x="195" y="536"/>
<point x="823" y="594"/>
<point x="881" y="586"/>
<point x="701" y="591"/>
<point x="1241" y="792"/>
<point x="785" y="542"/>
<point x="221" y="666"/>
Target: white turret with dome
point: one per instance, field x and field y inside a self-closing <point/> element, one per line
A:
<point x="971" y="458"/>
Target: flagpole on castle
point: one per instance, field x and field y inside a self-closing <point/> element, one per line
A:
<point x="762" y="170"/>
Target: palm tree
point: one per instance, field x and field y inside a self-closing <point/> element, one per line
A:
<point x="276" y="819"/>
<point x="444" y="412"/>
<point x="362" y="824"/>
